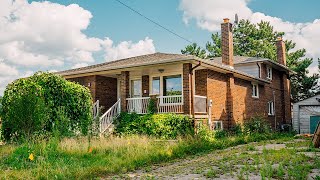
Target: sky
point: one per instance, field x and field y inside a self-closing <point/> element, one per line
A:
<point x="62" y="34"/>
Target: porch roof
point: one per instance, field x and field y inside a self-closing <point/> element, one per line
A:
<point x="157" y="58"/>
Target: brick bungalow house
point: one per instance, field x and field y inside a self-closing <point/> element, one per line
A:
<point x="225" y="90"/>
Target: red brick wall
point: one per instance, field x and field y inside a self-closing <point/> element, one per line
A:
<point x="201" y="82"/>
<point x="145" y="86"/>
<point x="87" y="81"/>
<point x="217" y="92"/>
<point x="102" y="88"/>
<point x="243" y="104"/>
<point x="186" y="88"/>
<point x="124" y="89"/>
<point x="106" y="91"/>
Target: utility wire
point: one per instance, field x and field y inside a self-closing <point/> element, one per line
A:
<point x="154" y="22"/>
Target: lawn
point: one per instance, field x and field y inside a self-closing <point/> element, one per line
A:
<point x="77" y="158"/>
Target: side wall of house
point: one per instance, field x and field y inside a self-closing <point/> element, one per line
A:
<point x="244" y="106"/>
<point x="217" y="92"/>
<point x="102" y="88"/>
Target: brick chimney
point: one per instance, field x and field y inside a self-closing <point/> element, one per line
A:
<point x="281" y="51"/>
<point x="227" y="42"/>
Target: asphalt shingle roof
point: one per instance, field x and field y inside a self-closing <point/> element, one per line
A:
<point x="156" y="58"/>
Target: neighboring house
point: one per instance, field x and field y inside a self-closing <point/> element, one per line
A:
<point x="306" y="115"/>
<point x="225" y="90"/>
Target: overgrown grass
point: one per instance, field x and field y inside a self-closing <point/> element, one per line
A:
<point x="80" y="159"/>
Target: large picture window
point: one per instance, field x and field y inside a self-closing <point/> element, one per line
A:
<point x="172" y="85"/>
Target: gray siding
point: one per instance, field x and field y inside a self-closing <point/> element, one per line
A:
<point x="300" y="114"/>
<point x="251" y="69"/>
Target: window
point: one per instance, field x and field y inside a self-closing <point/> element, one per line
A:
<point x="155" y="85"/>
<point x="270" y="108"/>
<point x="136" y="88"/>
<point x="217" y="125"/>
<point x="269" y="72"/>
<point x="172" y="85"/>
<point x="255" y="90"/>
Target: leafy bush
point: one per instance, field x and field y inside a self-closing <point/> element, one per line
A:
<point x="44" y="103"/>
<point x="236" y="130"/>
<point x="158" y="125"/>
<point x="152" y="106"/>
<point x="256" y="124"/>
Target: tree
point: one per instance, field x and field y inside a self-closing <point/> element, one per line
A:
<point x="258" y="40"/>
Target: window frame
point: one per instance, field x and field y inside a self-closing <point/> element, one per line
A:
<point x="257" y="90"/>
<point x="269" y="72"/>
<point x="271" y="108"/>
<point x="161" y="75"/>
<point x="215" y="124"/>
<point x="164" y="91"/>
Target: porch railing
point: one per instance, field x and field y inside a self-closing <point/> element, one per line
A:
<point x="200" y="104"/>
<point x="138" y="105"/>
<point x="170" y="104"/>
<point x="107" y="118"/>
<point x="95" y="109"/>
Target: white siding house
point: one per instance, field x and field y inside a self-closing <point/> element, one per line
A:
<point x="306" y="115"/>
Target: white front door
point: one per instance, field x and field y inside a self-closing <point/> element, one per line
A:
<point x="136" y="92"/>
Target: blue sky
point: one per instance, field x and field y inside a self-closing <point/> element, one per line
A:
<point x="62" y="34"/>
<point x="116" y="21"/>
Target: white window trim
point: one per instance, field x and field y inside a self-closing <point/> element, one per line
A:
<point x="272" y="108"/>
<point x="269" y="68"/>
<point x="217" y="122"/>
<point x="257" y="95"/>
<point x="161" y="82"/>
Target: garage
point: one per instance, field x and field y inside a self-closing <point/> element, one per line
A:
<point x="306" y="115"/>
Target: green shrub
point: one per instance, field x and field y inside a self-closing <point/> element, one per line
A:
<point x="44" y="103"/>
<point x="152" y="106"/>
<point x="236" y="130"/>
<point x="256" y="124"/>
<point x="158" y="125"/>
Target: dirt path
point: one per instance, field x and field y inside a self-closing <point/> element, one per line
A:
<point x="251" y="161"/>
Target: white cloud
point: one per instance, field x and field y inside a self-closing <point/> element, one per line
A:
<point x="208" y="15"/>
<point x="45" y="36"/>
<point x="127" y="48"/>
<point x="44" y="33"/>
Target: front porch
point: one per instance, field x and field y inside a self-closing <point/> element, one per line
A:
<point x="172" y="87"/>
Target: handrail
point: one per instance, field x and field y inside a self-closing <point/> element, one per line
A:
<point x="107" y="118"/>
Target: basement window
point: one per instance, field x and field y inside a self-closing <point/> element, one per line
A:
<point x="255" y="90"/>
<point x="217" y="125"/>
<point x="269" y="72"/>
<point x="270" y="108"/>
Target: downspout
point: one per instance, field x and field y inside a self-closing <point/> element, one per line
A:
<point x="274" y="109"/>
<point x="192" y="93"/>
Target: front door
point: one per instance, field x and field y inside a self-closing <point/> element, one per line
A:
<point x="314" y="120"/>
<point x="136" y="94"/>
